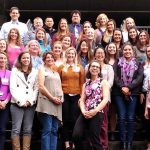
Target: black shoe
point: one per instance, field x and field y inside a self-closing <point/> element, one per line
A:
<point x="123" y="146"/>
<point x="112" y="136"/>
<point x="129" y="146"/>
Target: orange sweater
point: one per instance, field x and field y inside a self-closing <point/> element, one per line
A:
<point x="72" y="81"/>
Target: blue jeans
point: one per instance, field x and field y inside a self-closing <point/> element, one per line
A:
<point x="49" y="131"/>
<point x="126" y="114"/>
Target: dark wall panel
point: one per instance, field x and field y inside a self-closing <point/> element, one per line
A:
<point x="81" y="4"/>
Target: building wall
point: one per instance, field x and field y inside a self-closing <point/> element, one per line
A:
<point x="116" y="9"/>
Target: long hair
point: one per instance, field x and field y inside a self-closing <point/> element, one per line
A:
<point x="137" y="36"/>
<point x="124" y="25"/>
<point x="121" y="42"/>
<point x="45" y="39"/>
<point x="18" y="64"/>
<point x="89" y="55"/>
<point x="59" y="29"/>
<point x="114" y="22"/>
<point x="139" y="44"/>
<point x="97" y="23"/>
<point x="18" y="40"/>
<point x="107" y="53"/>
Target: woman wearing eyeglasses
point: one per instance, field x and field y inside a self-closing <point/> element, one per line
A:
<point x="94" y="97"/>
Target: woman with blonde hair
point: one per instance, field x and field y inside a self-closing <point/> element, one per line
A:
<point x="72" y="77"/>
<point x="35" y="51"/>
<point x="58" y="53"/>
<point x="101" y="24"/>
<point x="128" y="22"/>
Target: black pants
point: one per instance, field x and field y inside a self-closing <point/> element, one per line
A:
<point x="70" y="113"/>
<point x="93" y="127"/>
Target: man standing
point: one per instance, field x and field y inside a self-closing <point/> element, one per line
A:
<point x="13" y="23"/>
<point x="49" y="23"/>
<point x="75" y="27"/>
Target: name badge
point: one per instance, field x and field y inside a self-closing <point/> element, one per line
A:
<point x="4" y="81"/>
<point x="1" y="93"/>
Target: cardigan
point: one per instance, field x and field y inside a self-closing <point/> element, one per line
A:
<point x="72" y="78"/>
<point x="134" y="86"/>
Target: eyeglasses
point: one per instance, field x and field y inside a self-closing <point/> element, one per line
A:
<point x="93" y="66"/>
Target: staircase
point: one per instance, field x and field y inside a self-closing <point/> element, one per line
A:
<point x="139" y="143"/>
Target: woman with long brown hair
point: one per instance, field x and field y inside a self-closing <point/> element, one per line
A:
<point x="15" y="46"/>
<point x="63" y="29"/>
<point x="24" y="90"/>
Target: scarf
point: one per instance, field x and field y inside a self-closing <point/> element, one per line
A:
<point x="127" y="69"/>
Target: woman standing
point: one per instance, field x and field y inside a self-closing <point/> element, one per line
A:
<point x="4" y="97"/>
<point x="49" y="106"/>
<point x="127" y="23"/>
<point x="86" y="25"/>
<point x="108" y="75"/>
<point x="85" y="52"/>
<point x="40" y="36"/>
<point x="35" y="51"/>
<point x="63" y="29"/>
<point x="95" y="95"/>
<point x="15" y="46"/>
<point x="127" y="85"/>
<point x="23" y="87"/>
<point x="72" y="77"/>
<point x="145" y="97"/>
<point x="58" y="53"/>
<point x="111" y="57"/>
<point x="133" y="35"/>
<point x="117" y="38"/>
<point x="141" y="46"/>
<point x="107" y="36"/>
<point x="3" y="45"/>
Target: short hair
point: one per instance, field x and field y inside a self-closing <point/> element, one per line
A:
<point x="29" y="43"/>
<point x="88" y="74"/>
<point x="18" y="64"/>
<point x="45" y="55"/>
<point x="14" y="8"/>
<point x="100" y="47"/>
<point x="75" y="12"/>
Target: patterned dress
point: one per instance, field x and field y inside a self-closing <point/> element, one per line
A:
<point x="93" y="93"/>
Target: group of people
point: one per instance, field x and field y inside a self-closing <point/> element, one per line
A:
<point x="74" y="78"/>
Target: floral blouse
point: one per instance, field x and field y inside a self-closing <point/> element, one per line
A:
<point x="93" y="93"/>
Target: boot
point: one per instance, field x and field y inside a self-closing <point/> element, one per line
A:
<point x="129" y="146"/>
<point x="16" y="143"/>
<point x="26" y="142"/>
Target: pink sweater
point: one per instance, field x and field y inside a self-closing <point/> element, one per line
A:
<point x="13" y="53"/>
